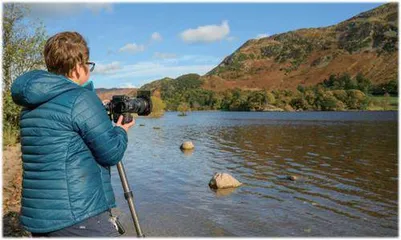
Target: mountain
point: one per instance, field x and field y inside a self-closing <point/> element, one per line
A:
<point x="366" y="43"/>
<point x="107" y="93"/>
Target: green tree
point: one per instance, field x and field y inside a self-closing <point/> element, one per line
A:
<point x="239" y="101"/>
<point x="226" y="100"/>
<point x="256" y="101"/>
<point x="158" y="107"/>
<point x="357" y="100"/>
<point x="364" y="84"/>
<point x="23" y="43"/>
<point x="11" y="114"/>
<point x="299" y="103"/>
<point x="310" y="98"/>
<point x="270" y="99"/>
<point x="341" y="95"/>
<point x="392" y="87"/>
<point x="183" y="108"/>
<point x="330" y="103"/>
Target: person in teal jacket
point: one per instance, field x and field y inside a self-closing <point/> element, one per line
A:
<point x="68" y="144"/>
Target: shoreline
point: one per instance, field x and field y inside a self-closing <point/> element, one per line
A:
<point x="12" y="187"/>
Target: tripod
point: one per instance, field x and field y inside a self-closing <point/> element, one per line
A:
<point x="129" y="197"/>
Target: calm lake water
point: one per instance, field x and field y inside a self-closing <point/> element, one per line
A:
<point x="347" y="162"/>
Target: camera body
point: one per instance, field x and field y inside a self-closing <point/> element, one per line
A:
<point x="124" y="105"/>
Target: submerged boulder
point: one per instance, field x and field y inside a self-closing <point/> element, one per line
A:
<point x="223" y="180"/>
<point x="187" y="152"/>
<point x="223" y="192"/>
<point x="293" y="177"/>
<point x="187" y="146"/>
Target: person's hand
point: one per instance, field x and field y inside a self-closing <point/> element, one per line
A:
<point x="125" y="126"/>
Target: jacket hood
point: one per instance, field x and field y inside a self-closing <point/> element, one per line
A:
<point x="36" y="87"/>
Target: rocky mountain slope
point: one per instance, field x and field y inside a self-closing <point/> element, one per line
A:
<point x="104" y="93"/>
<point x="366" y="43"/>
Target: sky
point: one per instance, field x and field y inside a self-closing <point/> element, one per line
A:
<point x="136" y="43"/>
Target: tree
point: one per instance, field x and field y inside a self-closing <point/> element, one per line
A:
<point x="329" y="83"/>
<point x="299" y="103"/>
<point x="392" y="87"/>
<point x="239" y="101"/>
<point x="364" y="84"/>
<point x="23" y="42"/>
<point x="357" y="100"/>
<point x="257" y="101"/>
<point x="183" y="108"/>
<point x="270" y="98"/>
<point x="341" y="95"/>
<point x="158" y="107"/>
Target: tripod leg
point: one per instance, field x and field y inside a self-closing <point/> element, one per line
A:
<point x="129" y="197"/>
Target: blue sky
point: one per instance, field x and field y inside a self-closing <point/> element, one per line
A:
<point x="136" y="43"/>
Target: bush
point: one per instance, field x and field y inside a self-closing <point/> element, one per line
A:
<point x="357" y="100"/>
<point x="390" y="87"/>
<point x="364" y="84"/>
<point x="256" y="101"/>
<point x="11" y="116"/>
<point x="158" y="107"/>
<point x="183" y="108"/>
<point x="11" y="135"/>
<point x="299" y="103"/>
<point x="330" y="103"/>
<point x="270" y="98"/>
<point x="341" y="95"/>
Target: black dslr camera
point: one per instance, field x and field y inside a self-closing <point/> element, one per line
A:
<point x="124" y="105"/>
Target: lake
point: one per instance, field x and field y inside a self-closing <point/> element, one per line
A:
<point x="347" y="163"/>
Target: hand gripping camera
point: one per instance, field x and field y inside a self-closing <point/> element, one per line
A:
<point x="124" y="105"/>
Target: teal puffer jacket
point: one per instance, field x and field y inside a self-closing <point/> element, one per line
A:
<point x="68" y="144"/>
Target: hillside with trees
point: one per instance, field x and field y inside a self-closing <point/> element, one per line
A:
<point x="349" y="66"/>
<point x="365" y="44"/>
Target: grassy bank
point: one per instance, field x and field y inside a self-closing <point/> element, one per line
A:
<point x="382" y="103"/>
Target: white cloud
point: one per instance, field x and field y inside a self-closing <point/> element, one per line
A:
<point x="200" y="59"/>
<point x="160" y="55"/>
<point x="144" y="72"/>
<point x="207" y="33"/>
<point x="153" y="71"/>
<point x="107" y="68"/>
<point x="98" y="7"/>
<point x="262" y="35"/>
<point x="116" y="74"/>
<point x="156" y="36"/>
<point x="128" y="85"/>
<point x="231" y="38"/>
<point x="132" y="48"/>
<point x="54" y="10"/>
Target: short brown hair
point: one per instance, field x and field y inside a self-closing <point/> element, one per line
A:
<point x="63" y="51"/>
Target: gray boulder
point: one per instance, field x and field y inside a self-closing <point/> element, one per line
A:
<point x="223" y="180"/>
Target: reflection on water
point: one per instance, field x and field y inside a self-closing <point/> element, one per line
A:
<point x="346" y="164"/>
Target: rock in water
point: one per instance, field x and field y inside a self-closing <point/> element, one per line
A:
<point x="293" y="178"/>
<point x="187" y="145"/>
<point x="223" y="180"/>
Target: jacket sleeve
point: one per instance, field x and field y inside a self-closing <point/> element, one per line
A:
<point x="90" y="120"/>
